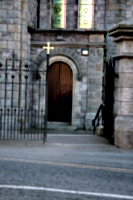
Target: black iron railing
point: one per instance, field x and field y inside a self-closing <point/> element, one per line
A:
<point x="99" y="118"/>
<point x="22" y="101"/>
<point x="105" y="112"/>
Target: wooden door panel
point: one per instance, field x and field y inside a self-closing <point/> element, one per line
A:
<point x="60" y="92"/>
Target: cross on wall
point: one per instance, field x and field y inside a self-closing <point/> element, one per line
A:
<point x="48" y="48"/>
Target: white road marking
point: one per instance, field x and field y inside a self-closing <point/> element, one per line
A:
<point x="67" y="191"/>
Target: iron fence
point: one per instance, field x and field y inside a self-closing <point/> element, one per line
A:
<point x="22" y="102"/>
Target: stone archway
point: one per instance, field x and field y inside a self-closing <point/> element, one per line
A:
<point x="66" y="52"/>
<point x="70" y="57"/>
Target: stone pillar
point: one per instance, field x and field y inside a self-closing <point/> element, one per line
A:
<point x="95" y="75"/>
<point x="123" y="95"/>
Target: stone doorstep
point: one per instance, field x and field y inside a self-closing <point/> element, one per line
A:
<point x="65" y="128"/>
<point x="60" y="126"/>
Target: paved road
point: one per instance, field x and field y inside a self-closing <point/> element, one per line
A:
<point x="66" y="168"/>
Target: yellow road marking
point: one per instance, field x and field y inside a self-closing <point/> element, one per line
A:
<point x="114" y="169"/>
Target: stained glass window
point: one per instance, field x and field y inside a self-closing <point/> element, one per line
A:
<point x="86" y="10"/>
<point x="59" y="14"/>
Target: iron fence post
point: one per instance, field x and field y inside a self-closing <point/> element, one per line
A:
<point x="46" y="102"/>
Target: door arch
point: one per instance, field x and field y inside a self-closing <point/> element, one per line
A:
<point x="60" y="92"/>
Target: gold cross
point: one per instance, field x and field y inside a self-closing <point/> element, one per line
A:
<point x="48" y="48"/>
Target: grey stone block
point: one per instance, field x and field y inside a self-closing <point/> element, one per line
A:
<point x="3" y="27"/>
<point x="13" y="45"/>
<point x="7" y="53"/>
<point x="14" y="13"/>
<point x="95" y="95"/>
<point x="95" y="74"/>
<point x="3" y="13"/>
<point x="96" y="38"/>
<point x="92" y="51"/>
<point x="123" y="108"/>
<point x="95" y="59"/>
<point x="93" y="108"/>
<point x="95" y="81"/>
<point x="124" y="65"/>
<point x="124" y="123"/>
<point x="92" y="66"/>
<point x="7" y="36"/>
<point x="88" y="121"/>
<point x="81" y="115"/>
<point x="7" y="5"/>
<point x="124" y="139"/>
<point x="3" y="44"/>
<point x="124" y="80"/>
<point x="14" y="28"/>
<point x="17" y="21"/>
<point x="123" y="94"/>
<point x="7" y="20"/>
<point x="17" y="5"/>
<point x="100" y="51"/>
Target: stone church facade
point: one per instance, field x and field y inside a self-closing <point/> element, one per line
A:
<point x="26" y="26"/>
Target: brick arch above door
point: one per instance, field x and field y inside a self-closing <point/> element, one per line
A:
<point x="68" y="53"/>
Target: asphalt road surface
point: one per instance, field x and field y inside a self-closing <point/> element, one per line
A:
<point x="35" y="180"/>
<point x="78" y="172"/>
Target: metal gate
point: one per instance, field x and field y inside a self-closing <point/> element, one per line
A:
<point x="105" y="114"/>
<point x="22" y="102"/>
<point x="109" y="101"/>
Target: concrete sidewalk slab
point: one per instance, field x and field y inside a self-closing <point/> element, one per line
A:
<point x="69" y="148"/>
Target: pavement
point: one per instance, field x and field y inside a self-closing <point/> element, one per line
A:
<point x="79" y="147"/>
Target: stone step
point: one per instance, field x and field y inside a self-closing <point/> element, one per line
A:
<point x="60" y="126"/>
<point x="76" y="139"/>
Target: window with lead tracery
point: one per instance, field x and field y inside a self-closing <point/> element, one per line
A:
<point x="65" y="14"/>
<point x="62" y="13"/>
<point x="59" y="14"/>
<point x="86" y="13"/>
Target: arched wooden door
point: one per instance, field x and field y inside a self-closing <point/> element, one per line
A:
<point x="60" y="92"/>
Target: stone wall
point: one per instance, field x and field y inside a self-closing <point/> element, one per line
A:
<point x="10" y="27"/>
<point x="15" y="16"/>
<point x="14" y="19"/>
<point x="123" y="96"/>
